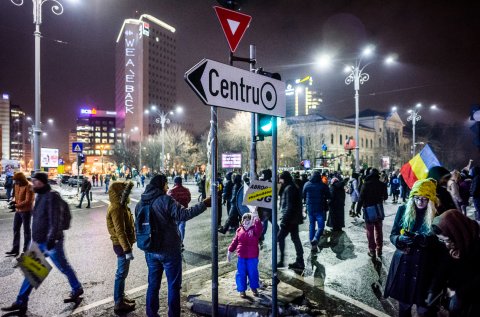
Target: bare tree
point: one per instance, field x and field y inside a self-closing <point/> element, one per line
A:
<point x="237" y="138"/>
<point x="126" y="154"/>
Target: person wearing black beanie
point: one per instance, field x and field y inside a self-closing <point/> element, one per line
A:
<point x="165" y="250"/>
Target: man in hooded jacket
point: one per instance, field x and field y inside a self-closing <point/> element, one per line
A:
<point x="165" y="253"/>
<point x="227" y="191"/>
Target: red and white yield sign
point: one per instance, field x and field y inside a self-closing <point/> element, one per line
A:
<point x="234" y="25"/>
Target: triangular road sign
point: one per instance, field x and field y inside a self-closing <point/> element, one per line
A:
<point x="234" y="25"/>
<point x="77" y="148"/>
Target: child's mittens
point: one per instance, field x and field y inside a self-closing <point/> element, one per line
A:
<point x="229" y="256"/>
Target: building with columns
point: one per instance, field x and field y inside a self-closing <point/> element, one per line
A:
<point x="381" y="140"/>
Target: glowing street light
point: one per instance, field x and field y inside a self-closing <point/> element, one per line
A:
<point x="57" y="8"/>
<point x="162" y="119"/>
<point x="357" y="76"/>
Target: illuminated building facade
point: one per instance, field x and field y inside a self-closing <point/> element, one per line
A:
<point x="5" y="126"/>
<point x="95" y="129"/>
<point x="17" y="133"/>
<point x="145" y="74"/>
<point x="302" y="100"/>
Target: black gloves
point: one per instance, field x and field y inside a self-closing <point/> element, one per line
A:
<point x="405" y="240"/>
<point x="420" y="240"/>
<point x="50" y="244"/>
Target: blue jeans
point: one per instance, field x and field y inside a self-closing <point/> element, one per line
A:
<point x="57" y="255"/>
<point x="317" y="220"/>
<point x="476" y="204"/>
<point x="181" y="227"/>
<point x="172" y="264"/>
<point x="247" y="267"/>
<point x="122" y="271"/>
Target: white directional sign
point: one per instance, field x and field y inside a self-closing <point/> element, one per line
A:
<point x="226" y="86"/>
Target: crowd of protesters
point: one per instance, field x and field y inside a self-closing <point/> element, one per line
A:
<point x="437" y="246"/>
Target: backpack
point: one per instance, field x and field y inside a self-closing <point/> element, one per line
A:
<point x="144" y="227"/>
<point x="65" y="213"/>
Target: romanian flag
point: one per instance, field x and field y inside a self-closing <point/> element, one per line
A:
<point x="417" y="168"/>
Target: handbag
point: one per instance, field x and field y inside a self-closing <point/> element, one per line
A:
<point x="373" y="213"/>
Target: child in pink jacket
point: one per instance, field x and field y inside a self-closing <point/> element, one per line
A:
<point x="246" y="245"/>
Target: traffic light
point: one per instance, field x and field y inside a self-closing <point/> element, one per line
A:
<point x="263" y="125"/>
<point x="80" y="159"/>
<point x="264" y="122"/>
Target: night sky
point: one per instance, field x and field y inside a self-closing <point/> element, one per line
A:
<point x="437" y="42"/>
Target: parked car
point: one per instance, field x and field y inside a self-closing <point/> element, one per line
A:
<point x="75" y="180"/>
<point x="63" y="178"/>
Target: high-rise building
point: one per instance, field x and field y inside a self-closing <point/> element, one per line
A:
<point x="302" y="99"/>
<point x="96" y="130"/>
<point x="17" y="133"/>
<point x="145" y="74"/>
<point x="5" y="126"/>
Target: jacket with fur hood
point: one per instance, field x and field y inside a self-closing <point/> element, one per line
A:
<point x="120" y="222"/>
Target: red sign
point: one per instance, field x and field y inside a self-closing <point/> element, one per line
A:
<point x="234" y="25"/>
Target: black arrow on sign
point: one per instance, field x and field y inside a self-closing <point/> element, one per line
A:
<point x="193" y="78"/>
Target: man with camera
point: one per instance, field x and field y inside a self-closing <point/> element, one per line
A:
<point x="22" y="204"/>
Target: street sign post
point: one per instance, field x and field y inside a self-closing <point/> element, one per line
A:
<point x="77" y="147"/>
<point x="234" y="25"/>
<point x="221" y="85"/>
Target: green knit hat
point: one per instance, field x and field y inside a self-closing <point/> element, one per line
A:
<point x="425" y="188"/>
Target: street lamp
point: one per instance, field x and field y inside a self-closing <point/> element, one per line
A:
<point x="357" y="76"/>
<point x="57" y="8"/>
<point x="163" y="119"/>
<point x="415" y="117"/>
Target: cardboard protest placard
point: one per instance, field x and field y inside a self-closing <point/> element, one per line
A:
<point x="34" y="265"/>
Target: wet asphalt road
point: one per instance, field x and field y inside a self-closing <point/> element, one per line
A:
<point x="340" y="277"/>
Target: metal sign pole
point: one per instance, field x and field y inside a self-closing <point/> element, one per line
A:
<point x="253" y="145"/>
<point x="78" y="173"/>
<point x="274" y="218"/>
<point x="214" y="194"/>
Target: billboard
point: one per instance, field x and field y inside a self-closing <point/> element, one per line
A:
<point x="48" y="157"/>
<point x="232" y="160"/>
<point x="385" y="163"/>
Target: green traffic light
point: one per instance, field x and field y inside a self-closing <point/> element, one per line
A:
<point x="267" y="127"/>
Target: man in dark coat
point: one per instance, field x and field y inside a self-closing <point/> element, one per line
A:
<point x="227" y="191"/>
<point x="336" y="215"/>
<point x="165" y="254"/>
<point x="234" y="214"/>
<point x="373" y="193"/>
<point x="48" y="235"/>
<point x="291" y="209"/>
<point x="85" y="190"/>
<point x="315" y="194"/>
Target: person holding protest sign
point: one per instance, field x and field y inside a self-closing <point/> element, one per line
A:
<point x="47" y="233"/>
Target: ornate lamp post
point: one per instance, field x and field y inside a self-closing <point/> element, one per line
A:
<point x="162" y="119"/>
<point x="357" y="76"/>
<point x="57" y="8"/>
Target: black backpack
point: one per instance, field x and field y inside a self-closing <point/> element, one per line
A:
<point x="144" y="227"/>
<point x="65" y="213"/>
